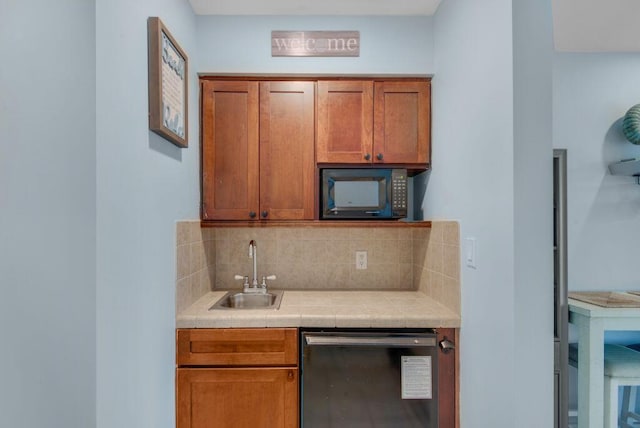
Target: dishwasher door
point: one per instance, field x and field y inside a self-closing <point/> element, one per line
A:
<point x="369" y="379"/>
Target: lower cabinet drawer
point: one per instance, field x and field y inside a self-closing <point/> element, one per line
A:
<point x="237" y="397"/>
<point x="237" y="347"/>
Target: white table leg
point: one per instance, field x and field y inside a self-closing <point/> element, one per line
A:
<point x="590" y="373"/>
<point x="611" y="403"/>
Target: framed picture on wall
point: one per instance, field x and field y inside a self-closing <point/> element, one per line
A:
<point x="168" y="85"/>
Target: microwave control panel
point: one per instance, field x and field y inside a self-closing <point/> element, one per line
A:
<point x="399" y="192"/>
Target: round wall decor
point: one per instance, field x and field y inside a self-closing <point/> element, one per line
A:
<point x="631" y="124"/>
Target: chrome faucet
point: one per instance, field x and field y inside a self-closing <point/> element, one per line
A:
<point x="254" y="286"/>
<point x="253" y="253"/>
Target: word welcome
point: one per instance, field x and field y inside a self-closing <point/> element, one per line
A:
<point x="315" y="43"/>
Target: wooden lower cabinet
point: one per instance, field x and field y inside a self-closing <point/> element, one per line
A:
<point x="237" y="378"/>
<point x="237" y="397"/>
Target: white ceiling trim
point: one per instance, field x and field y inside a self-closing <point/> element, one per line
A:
<point x="315" y="7"/>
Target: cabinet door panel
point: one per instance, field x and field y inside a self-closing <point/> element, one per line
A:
<point x="402" y="122"/>
<point x="229" y="150"/>
<point x="287" y="124"/>
<point x="237" y="398"/>
<point x="345" y="121"/>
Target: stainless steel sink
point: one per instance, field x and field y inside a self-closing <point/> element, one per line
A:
<point x="240" y="300"/>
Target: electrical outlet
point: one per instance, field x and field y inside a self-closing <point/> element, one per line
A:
<point x="361" y="260"/>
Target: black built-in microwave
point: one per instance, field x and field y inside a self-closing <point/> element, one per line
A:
<point x="359" y="193"/>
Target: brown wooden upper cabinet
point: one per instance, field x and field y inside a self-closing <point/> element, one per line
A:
<point x="345" y="121"/>
<point x="258" y="150"/>
<point x="365" y="121"/>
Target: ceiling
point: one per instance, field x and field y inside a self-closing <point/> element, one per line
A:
<point x="578" y="25"/>
<point x="315" y="7"/>
<point x="596" y="25"/>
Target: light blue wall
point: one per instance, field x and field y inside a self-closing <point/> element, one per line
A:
<point x="591" y="93"/>
<point x="47" y="214"/>
<point x="473" y="180"/>
<point x="533" y="213"/>
<point x="242" y="44"/>
<point x="144" y="184"/>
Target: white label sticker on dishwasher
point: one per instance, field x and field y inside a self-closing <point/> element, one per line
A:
<point x="416" y="378"/>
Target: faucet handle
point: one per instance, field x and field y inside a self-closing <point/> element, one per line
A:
<point x="265" y="278"/>
<point x="245" y="283"/>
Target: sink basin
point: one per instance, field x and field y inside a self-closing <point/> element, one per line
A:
<point x="239" y="300"/>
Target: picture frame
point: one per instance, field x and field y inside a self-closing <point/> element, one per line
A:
<point x="168" y="85"/>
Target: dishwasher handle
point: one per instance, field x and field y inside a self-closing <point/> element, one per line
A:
<point x="376" y="341"/>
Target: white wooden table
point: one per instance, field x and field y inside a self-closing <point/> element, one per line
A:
<point x="592" y="321"/>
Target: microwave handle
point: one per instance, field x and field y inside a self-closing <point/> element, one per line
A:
<point x="372" y="212"/>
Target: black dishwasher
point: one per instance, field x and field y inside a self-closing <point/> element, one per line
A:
<point x="368" y="378"/>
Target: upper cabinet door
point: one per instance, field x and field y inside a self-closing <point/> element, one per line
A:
<point x="345" y="122"/>
<point x="287" y="140"/>
<point x="402" y="122"/>
<point x="230" y="154"/>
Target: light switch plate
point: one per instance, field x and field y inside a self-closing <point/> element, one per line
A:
<point x="470" y="252"/>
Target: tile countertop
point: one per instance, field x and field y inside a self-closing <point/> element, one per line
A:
<point x="331" y="308"/>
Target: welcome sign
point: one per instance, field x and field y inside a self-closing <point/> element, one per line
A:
<point x="315" y="43"/>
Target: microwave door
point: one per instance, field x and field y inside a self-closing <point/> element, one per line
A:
<point x="359" y="195"/>
<point x="357" y="198"/>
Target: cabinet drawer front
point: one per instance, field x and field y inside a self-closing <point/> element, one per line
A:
<point x="237" y="347"/>
<point x="237" y="397"/>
